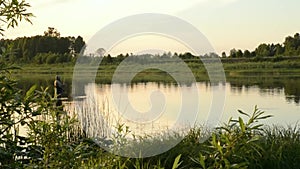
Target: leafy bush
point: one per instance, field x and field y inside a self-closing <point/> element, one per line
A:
<point x="234" y="145"/>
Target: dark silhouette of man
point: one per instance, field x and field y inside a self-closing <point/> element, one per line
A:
<point x="58" y="90"/>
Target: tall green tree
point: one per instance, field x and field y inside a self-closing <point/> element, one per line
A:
<point x="224" y="55"/>
<point x="78" y="44"/>
<point x="239" y="53"/>
<point x="262" y="50"/>
<point x="291" y="45"/>
<point x="232" y="53"/>
<point x="247" y="54"/>
<point x="52" y="32"/>
<point x="279" y="49"/>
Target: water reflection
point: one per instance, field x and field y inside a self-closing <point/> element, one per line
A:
<point x="25" y="81"/>
<point x="267" y="85"/>
<point x="279" y="96"/>
<point x="242" y="97"/>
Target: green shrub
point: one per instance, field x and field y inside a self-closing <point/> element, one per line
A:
<point x="234" y="145"/>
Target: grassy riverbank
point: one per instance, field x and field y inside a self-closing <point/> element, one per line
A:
<point x="231" y="67"/>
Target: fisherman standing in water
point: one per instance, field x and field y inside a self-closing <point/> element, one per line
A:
<point x="58" y="90"/>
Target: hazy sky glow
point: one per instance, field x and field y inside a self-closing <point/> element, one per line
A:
<point x="241" y="24"/>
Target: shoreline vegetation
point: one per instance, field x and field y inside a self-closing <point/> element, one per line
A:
<point x="53" y="142"/>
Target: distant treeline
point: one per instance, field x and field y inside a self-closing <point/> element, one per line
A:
<point x="290" y="47"/>
<point x="141" y="58"/>
<point x="49" y="48"/>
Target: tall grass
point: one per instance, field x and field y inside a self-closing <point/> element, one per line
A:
<point x="282" y="147"/>
<point x="240" y="143"/>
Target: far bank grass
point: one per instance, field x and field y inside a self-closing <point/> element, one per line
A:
<point x="286" y="68"/>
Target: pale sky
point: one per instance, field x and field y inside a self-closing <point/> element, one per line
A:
<point x="227" y="24"/>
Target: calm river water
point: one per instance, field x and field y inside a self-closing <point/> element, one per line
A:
<point x="160" y="104"/>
